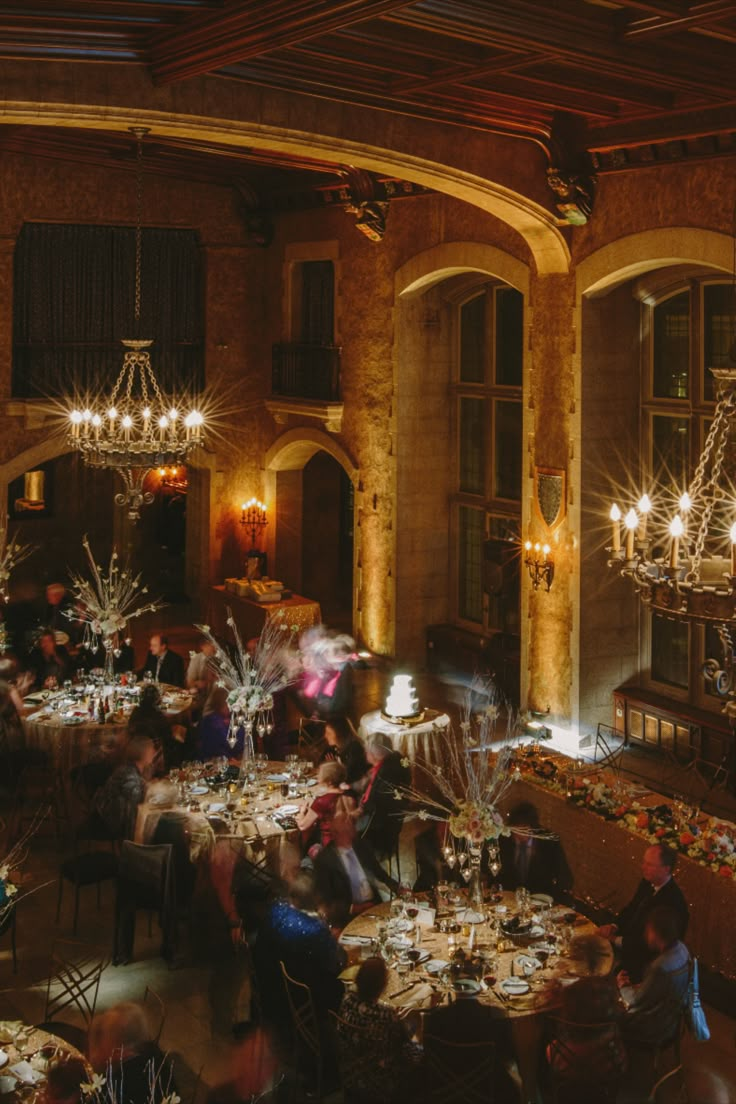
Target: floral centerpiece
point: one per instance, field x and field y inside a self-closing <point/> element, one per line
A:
<point x="105" y="602"/>
<point x="467" y="790"/>
<point x="10" y="864"/>
<point x="109" y="1088"/>
<point x="12" y="552"/>
<point x="252" y="675"/>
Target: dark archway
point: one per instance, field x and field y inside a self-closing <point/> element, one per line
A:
<point x="327" y="538"/>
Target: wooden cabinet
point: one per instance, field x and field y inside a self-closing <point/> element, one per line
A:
<point x="661" y="724"/>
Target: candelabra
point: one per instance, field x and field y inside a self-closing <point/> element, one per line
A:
<point x="254" y="518"/>
<point x="540" y="564"/>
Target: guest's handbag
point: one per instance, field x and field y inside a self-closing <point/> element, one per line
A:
<point x="694" y="1014"/>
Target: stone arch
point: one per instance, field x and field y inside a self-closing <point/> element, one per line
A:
<point x="634" y="254"/>
<point x="243" y="117"/>
<point x="434" y="265"/>
<point x="284" y="463"/>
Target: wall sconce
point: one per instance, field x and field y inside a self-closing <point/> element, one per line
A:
<point x="254" y="518"/>
<point x="541" y="566"/>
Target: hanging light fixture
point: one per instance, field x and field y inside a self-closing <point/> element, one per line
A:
<point x="681" y="558"/>
<point x="137" y="428"/>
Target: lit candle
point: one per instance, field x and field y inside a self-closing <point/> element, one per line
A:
<point x="644" y="505"/>
<point x="162" y="423"/>
<point x="75" y="418"/>
<point x="86" y="419"/>
<point x="733" y="548"/>
<point x="127" y="423"/>
<point x="97" y="422"/>
<point x="112" y="413"/>
<point x="685" y="502"/>
<point x="676" y="531"/>
<point x="545" y="550"/>
<point x="631" y="521"/>
<point x="197" y="422"/>
<point x="146" y="418"/>
<point x="615" y="516"/>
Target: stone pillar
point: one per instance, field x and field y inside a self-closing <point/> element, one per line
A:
<point x="551" y="652"/>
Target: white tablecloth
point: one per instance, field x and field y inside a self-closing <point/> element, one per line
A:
<point x="425" y="742"/>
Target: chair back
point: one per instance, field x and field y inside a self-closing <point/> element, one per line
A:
<point x="74" y="980"/>
<point x="303" y="1014"/>
<point x="586" y="1061"/>
<point x="670" y="1089"/>
<point x="362" y="1062"/>
<point x="145" y="872"/>
<point x="458" y="1073"/>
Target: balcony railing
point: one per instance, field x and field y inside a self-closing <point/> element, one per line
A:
<point x="306" y="372"/>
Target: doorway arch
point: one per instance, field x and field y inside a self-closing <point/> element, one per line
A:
<point x="285" y="462"/>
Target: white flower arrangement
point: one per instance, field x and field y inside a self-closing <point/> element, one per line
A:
<point x="11" y="891"/>
<point x="111" y="1090"/>
<point x="106" y="601"/>
<point x="12" y="552"/>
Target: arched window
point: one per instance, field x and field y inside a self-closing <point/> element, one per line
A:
<point x="73" y="303"/>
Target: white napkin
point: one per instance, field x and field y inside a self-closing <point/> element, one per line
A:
<point x="419" y="997"/>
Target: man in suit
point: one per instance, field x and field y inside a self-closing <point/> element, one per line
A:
<point x="381" y="810"/>
<point x="656" y="889"/>
<point x="347" y="873"/>
<point x="529" y="860"/>
<point x="163" y="664"/>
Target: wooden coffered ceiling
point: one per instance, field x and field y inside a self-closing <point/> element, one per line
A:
<point x="602" y="86"/>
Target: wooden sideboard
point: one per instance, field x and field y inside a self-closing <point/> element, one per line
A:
<point x="661" y="724"/>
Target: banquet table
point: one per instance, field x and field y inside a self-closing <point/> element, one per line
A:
<point x="605" y="859"/>
<point x="525" y="1012"/>
<point x="250" y="616"/>
<point x="63" y="732"/>
<point x="425" y="742"/>
<point x="37" y="1048"/>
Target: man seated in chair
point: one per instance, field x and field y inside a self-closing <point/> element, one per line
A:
<point x="161" y="663"/>
<point x="347" y="874"/>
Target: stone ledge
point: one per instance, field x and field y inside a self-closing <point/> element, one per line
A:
<point x="329" y="413"/>
<point x="34" y="413"/>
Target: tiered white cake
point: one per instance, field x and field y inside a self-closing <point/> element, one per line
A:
<point x="402" y="701"/>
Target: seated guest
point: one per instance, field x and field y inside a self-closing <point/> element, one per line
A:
<point x="121" y="1049"/>
<point x="656" y="888"/>
<point x="200" y="677"/>
<point x="292" y="932"/>
<point x="214" y="727"/>
<point x="347" y="874"/>
<point x="654" y="1008"/>
<point x="467" y="1021"/>
<point x="347" y="748"/>
<point x="162" y="664"/>
<point x="587" y="1049"/>
<point x="50" y="662"/>
<point x="116" y="802"/>
<point x="381" y="813"/>
<point x="527" y="860"/>
<point x="64" y="1082"/>
<point x="378" y="1027"/>
<point x="316" y="815"/>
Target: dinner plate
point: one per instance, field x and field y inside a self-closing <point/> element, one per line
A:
<point x="277" y="778"/>
<point x="287" y="810"/>
<point x="436" y="965"/>
<point x="515" y="987"/>
<point x="216" y="807"/>
<point x="199" y="790"/>
<point x="400" y="941"/>
<point x="527" y="964"/>
<point x="356" y="940"/>
<point x="424" y="956"/>
<point x="550" y="948"/>
<point x="466" y="987"/>
<point x="400" y="925"/>
<point x="543" y="899"/>
<point x="3" y="1059"/>
<point x="470" y="916"/>
<point x="25" y="1072"/>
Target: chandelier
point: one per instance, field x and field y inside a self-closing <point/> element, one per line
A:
<point x="136" y="428"/>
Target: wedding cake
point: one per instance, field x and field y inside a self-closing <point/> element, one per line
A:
<point x="402" y="703"/>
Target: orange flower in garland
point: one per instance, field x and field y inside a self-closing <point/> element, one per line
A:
<point x="726" y="872"/>
<point x="642" y="820"/>
<point x="686" y="838"/>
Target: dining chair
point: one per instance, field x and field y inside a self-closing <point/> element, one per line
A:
<point x="458" y="1073"/>
<point x="579" y="1059"/>
<point x="85" y="868"/>
<point x="72" y="987"/>
<point x="361" y="1063"/>
<point x="145" y="881"/>
<point x="308" y="1038"/>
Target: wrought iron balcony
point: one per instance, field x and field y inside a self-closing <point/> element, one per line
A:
<point x="306" y="372"/>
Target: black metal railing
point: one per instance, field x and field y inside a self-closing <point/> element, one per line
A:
<point x="306" y="372"/>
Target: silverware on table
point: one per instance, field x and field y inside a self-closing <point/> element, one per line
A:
<point x="406" y="989"/>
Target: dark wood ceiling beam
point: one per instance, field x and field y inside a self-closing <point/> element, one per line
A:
<point x="502" y="63"/>
<point x="250" y="28"/>
<point x="591" y="44"/>
<point x="698" y="16"/>
<point x="680" y="125"/>
<point x="380" y="34"/>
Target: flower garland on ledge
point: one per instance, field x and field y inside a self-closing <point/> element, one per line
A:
<point x="709" y="841"/>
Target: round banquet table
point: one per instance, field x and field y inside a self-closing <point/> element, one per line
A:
<point x="424" y="743"/>
<point x="54" y="1049"/>
<point x="68" y="742"/>
<point x="417" y="989"/>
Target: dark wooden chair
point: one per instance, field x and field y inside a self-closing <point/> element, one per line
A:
<point x="72" y="987"/>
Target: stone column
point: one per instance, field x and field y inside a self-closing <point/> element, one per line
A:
<point x="551" y="652"/>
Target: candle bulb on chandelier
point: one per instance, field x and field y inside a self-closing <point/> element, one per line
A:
<point x="97" y="422"/>
<point x="76" y="419"/>
<point x="146" y="418"/>
<point x="162" y="424"/>
<point x="631" y="521"/>
<point x="685" y="502"/>
<point x="676" y="531"/>
<point x="615" y="516"/>
<point x="644" y="505"/>
<point x="127" y="424"/>
<point x="86" y="419"/>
